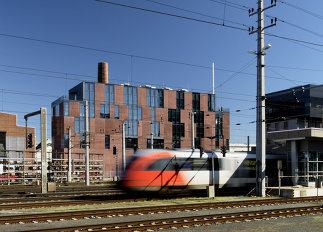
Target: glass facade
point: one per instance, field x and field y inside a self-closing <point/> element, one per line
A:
<point x="211" y="102"/>
<point x="131" y="99"/>
<point x="116" y="112"/>
<point x="155" y="98"/>
<point x="104" y="111"/>
<point x="90" y="97"/>
<point x="180" y="100"/>
<point x="66" y="108"/>
<point x="196" y="101"/>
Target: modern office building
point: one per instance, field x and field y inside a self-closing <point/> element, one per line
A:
<point x="294" y="126"/>
<point x="161" y="115"/>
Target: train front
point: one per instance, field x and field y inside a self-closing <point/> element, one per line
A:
<point x="151" y="171"/>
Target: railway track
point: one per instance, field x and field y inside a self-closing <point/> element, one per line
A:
<point x="43" y="217"/>
<point x="185" y="222"/>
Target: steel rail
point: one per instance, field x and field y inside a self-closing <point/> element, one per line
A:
<point x="145" y="210"/>
<point x="176" y="222"/>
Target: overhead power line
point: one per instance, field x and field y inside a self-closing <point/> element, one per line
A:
<point x="198" y="13"/>
<point x="302" y="9"/>
<point x="173" y="15"/>
<point x="231" y="4"/>
<point x="102" y="50"/>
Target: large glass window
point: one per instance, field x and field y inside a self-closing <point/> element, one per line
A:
<point x="196" y="101"/>
<point x="82" y="109"/>
<point x="90" y="97"/>
<point x="104" y="111"/>
<point x="65" y="141"/>
<point x="131" y="143"/>
<point x="66" y="108"/>
<point x="116" y="112"/>
<point x="155" y="98"/>
<point x="109" y="94"/>
<point x="180" y="100"/>
<point x="76" y="125"/>
<point x="130" y="95"/>
<point x="211" y="102"/>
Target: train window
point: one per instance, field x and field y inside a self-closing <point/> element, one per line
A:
<point x="164" y="164"/>
<point x="181" y="164"/>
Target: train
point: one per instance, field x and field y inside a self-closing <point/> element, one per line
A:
<point x="193" y="169"/>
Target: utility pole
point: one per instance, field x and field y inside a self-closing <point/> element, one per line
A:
<point x="69" y="173"/>
<point x="44" y="164"/>
<point x="87" y="143"/>
<point x="261" y="133"/>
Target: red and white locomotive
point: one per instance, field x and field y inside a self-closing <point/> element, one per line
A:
<point x="162" y="170"/>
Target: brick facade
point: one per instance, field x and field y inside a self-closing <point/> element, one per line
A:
<point x="112" y="126"/>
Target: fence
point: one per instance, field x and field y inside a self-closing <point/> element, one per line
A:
<point x="20" y="167"/>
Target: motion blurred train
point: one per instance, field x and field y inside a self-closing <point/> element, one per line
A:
<point x="164" y="170"/>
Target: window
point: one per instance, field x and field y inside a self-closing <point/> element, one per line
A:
<point x="211" y="102"/>
<point x="82" y="109"/>
<point x="131" y="143"/>
<point x="107" y="142"/>
<point x="196" y="101"/>
<point x="76" y="125"/>
<point x="130" y="95"/>
<point x="155" y="98"/>
<point x="116" y="112"/>
<point x="3" y="143"/>
<point x="65" y="141"/>
<point x="90" y="97"/>
<point x="104" y="111"/>
<point x="158" y="143"/>
<point x="109" y="94"/>
<point x="180" y="100"/>
<point x="66" y="108"/>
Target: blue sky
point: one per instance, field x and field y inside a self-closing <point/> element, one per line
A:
<point x="92" y="24"/>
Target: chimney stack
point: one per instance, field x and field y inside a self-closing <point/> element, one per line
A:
<point x="103" y="73"/>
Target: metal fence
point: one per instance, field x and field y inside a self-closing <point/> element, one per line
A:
<point x="24" y="167"/>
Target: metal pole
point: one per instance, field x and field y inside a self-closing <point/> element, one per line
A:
<point x="192" y="129"/>
<point x="123" y="148"/>
<point x="69" y="173"/>
<point x="43" y="123"/>
<point x="87" y="155"/>
<point x="248" y="141"/>
<point x="279" y="182"/>
<point x="213" y="177"/>
<point x="152" y="141"/>
<point x="261" y="143"/>
<point x="213" y="78"/>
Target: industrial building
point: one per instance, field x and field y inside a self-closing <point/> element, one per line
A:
<point x="152" y="117"/>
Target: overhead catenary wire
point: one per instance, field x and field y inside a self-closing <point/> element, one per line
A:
<point x="302" y="9"/>
<point x="198" y="13"/>
<point x="172" y="15"/>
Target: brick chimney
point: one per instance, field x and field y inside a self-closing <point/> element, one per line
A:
<point x="103" y="73"/>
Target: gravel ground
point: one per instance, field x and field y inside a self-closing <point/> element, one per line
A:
<point x="312" y="223"/>
<point x="304" y="223"/>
